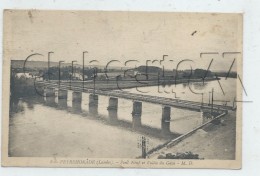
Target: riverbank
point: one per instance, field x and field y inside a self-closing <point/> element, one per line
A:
<point x="214" y="141"/>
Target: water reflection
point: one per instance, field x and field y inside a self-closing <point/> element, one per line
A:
<point x="62" y="104"/>
<point x="93" y="104"/>
<point x="76" y="107"/>
<point x="111" y="119"/>
<point x="182" y="120"/>
<point x="112" y="114"/>
<point x="50" y="100"/>
<point x="136" y="124"/>
<point x="16" y="106"/>
<point x="165" y="126"/>
<point x="199" y="85"/>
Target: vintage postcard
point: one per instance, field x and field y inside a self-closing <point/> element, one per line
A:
<point x="122" y="89"/>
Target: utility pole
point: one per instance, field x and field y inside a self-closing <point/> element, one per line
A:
<point x="71" y="72"/>
<point x="94" y="80"/>
<point x="143" y="143"/>
<point x="143" y="147"/>
<point x="59" y="71"/>
<point x="49" y="63"/>
<point x="234" y="102"/>
<point x="212" y="99"/>
<point x="209" y="98"/>
<point x="83" y="68"/>
<point x="202" y="100"/>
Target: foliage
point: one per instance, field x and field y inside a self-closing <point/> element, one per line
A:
<point x="185" y="155"/>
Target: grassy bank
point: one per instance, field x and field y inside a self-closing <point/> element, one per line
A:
<point x="211" y="142"/>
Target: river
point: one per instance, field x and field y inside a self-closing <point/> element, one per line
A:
<point x="45" y="128"/>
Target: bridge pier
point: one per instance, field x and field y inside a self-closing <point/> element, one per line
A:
<point x="76" y="96"/>
<point x="93" y="103"/>
<point x="136" y="114"/>
<point x="62" y="94"/>
<point x="49" y="92"/>
<point x="112" y="108"/>
<point x="166" y="117"/>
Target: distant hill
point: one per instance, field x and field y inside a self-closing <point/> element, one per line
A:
<point x="44" y="65"/>
<point x="32" y="64"/>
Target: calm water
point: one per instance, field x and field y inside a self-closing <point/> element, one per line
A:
<point x="48" y="127"/>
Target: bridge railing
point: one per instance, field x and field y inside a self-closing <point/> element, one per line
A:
<point x="128" y="95"/>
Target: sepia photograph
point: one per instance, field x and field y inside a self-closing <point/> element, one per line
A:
<point x="122" y="89"/>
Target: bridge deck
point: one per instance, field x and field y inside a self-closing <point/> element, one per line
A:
<point x="184" y="104"/>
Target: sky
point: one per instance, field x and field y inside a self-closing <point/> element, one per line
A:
<point x="124" y="36"/>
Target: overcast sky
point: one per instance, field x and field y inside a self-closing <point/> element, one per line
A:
<point x="124" y="36"/>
